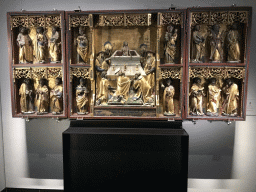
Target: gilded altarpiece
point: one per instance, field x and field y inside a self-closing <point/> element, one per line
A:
<point x="37" y="64"/>
<point x="217" y="63"/>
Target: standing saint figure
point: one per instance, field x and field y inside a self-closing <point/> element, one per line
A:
<point x="82" y="97"/>
<point x="40" y="44"/>
<point x="196" y="94"/>
<point x="150" y="68"/>
<point x="102" y="97"/>
<point x="26" y="97"/>
<point x="54" y="45"/>
<point x="199" y="45"/>
<point x="143" y="54"/>
<point x="169" y="92"/>
<point x="170" y="47"/>
<point x="213" y="98"/>
<point x="233" y="38"/>
<point x="216" y="43"/>
<point x="142" y="88"/>
<point x="125" y="49"/>
<point x="42" y="97"/>
<point x="56" y="97"/>
<point x="231" y="94"/>
<point x="25" y="46"/>
<point x="82" y="46"/>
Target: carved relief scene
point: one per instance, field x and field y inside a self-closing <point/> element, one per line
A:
<point x="125" y="59"/>
<point x="218" y="37"/>
<point x="36" y="39"/>
<point x="39" y="91"/>
<point x="216" y="92"/>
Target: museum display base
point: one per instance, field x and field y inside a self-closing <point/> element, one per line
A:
<point x="125" y="156"/>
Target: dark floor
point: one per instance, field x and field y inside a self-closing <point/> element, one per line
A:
<point x="29" y="190"/>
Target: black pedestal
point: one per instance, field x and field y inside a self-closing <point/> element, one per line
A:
<point x="125" y="159"/>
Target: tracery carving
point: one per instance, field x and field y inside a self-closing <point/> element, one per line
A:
<point x="174" y="73"/>
<point x="171" y="18"/>
<point x="222" y="72"/>
<point x="19" y="73"/>
<point x="79" y="72"/>
<point x="79" y="20"/>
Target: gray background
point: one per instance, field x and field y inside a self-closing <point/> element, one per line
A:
<point x="222" y="157"/>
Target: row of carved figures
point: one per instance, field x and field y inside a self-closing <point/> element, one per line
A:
<point x="38" y="49"/>
<point x="230" y="100"/>
<point x="217" y="44"/>
<point x="41" y="98"/>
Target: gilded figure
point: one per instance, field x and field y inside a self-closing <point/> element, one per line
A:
<point x="104" y="89"/>
<point x="196" y="95"/>
<point x="25" y="46"/>
<point x="108" y="49"/>
<point x="82" y="93"/>
<point x="56" y="97"/>
<point x="169" y="92"/>
<point x="213" y="98"/>
<point x="42" y="97"/>
<point x="231" y="96"/>
<point x="198" y="48"/>
<point x="40" y="44"/>
<point x="142" y="89"/>
<point x="143" y="54"/>
<point x="26" y="97"/>
<point x="150" y="69"/>
<point x="101" y="65"/>
<point x="125" y="49"/>
<point x="233" y="39"/>
<point x="123" y="87"/>
<point x="82" y="46"/>
<point x="216" y="43"/>
<point x="54" y="45"/>
<point x="170" y="47"/>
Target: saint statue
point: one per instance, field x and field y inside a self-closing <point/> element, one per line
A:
<point x="26" y="97"/>
<point x="108" y="49"/>
<point x="25" y="46"/>
<point x="142" y="88"/>
<point x="125" y="49"/>
<point x="40" y="45"/>
<point x="169" y="92"/>
<point x="213" y="98"/>
<point x="56" y="97"/>
<point x="42" y="97"/>
<point x="233" y="39"/>
<point x="54" y="45"/>
<point x="231" y="96"/>
<point x="196" y="94"/>
<point x="143" y="54"/>
<point x="150" y="68"/>
<point x="170" y="47"/>
<point x="103" y="90"/>
<point x="216" y="44"/>
<point x="199" y="45"/>
<point x="82" y="97"/>
<point x="123" y="86"/>
<point x="101" y="65"/>
<point x="82" y="46"/>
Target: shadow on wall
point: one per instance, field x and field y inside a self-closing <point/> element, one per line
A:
<point x="44" y="146"/>
<point x="211" y="147"/>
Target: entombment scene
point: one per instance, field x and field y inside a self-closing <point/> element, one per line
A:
<point x="125" y="63"/>
<point x="36" y="39"/>
<point x="40" y="91"/>
<point x="218" y="37"/>
<point x="216" y="91"/>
